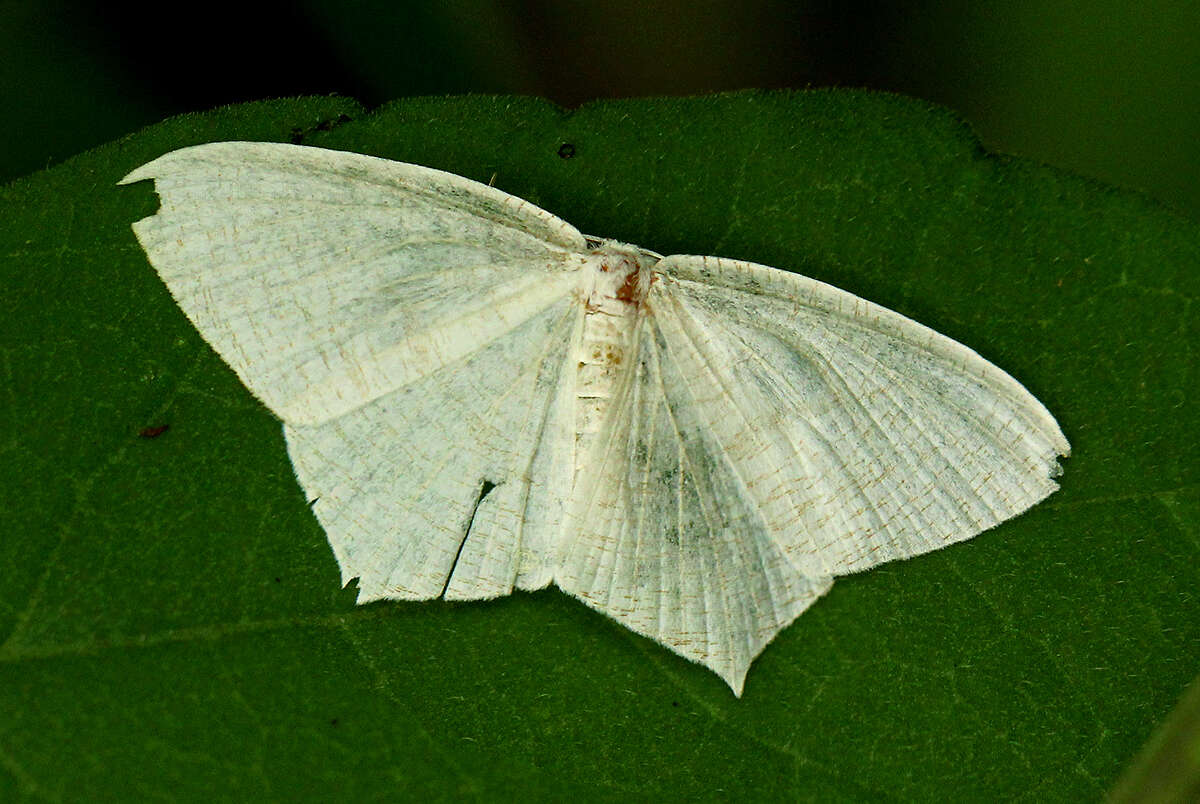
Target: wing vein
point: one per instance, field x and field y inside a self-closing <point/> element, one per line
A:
<point x="931" y="479"/>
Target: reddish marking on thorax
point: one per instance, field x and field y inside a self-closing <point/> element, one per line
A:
<point x="620" y="282"/>
<point x="628" y="290"/>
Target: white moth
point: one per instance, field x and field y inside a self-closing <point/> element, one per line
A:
<point x="481" y="399"/>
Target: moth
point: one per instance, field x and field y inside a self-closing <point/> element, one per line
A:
<point x="480" y="399"/>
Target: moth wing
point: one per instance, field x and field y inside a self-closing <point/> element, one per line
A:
<point x="411" y="329"/>
<point x="326" y="279"/>
<point x="663" y="537"/>
<point x="860" y="435"/>
<point x="400" y="482"/>
<point x="775" y="433"/>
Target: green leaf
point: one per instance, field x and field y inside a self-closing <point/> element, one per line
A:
<point x="171" y="622"/>
<point x="1167" y="769"/>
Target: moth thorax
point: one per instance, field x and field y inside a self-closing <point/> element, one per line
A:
<point x="614" y="290"/>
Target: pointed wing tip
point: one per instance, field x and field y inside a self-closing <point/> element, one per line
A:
<point x="1063" y="446"/>
<point x="732" y="672"/>
<point x="1060" y="448"/>
<point x="153" y="168"/>
<point x="736" y="682"/>
<point x="137" y="174"/>
<point x="1058" y="440"/>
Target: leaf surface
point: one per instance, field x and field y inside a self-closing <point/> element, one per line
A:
<point x="171" y="622"/>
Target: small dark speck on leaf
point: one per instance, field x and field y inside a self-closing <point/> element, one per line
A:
<point x="566" y="150"/>
<point x="327" y="125"/>
<point x="333" y="721"/>
<point x="277" y="579"/>
<point x="298" y="134"/>
<point x="154" y="432"/>
<point x="675" y="703"/>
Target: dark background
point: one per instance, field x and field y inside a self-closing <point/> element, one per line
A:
<point x="1108" y="89"/>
